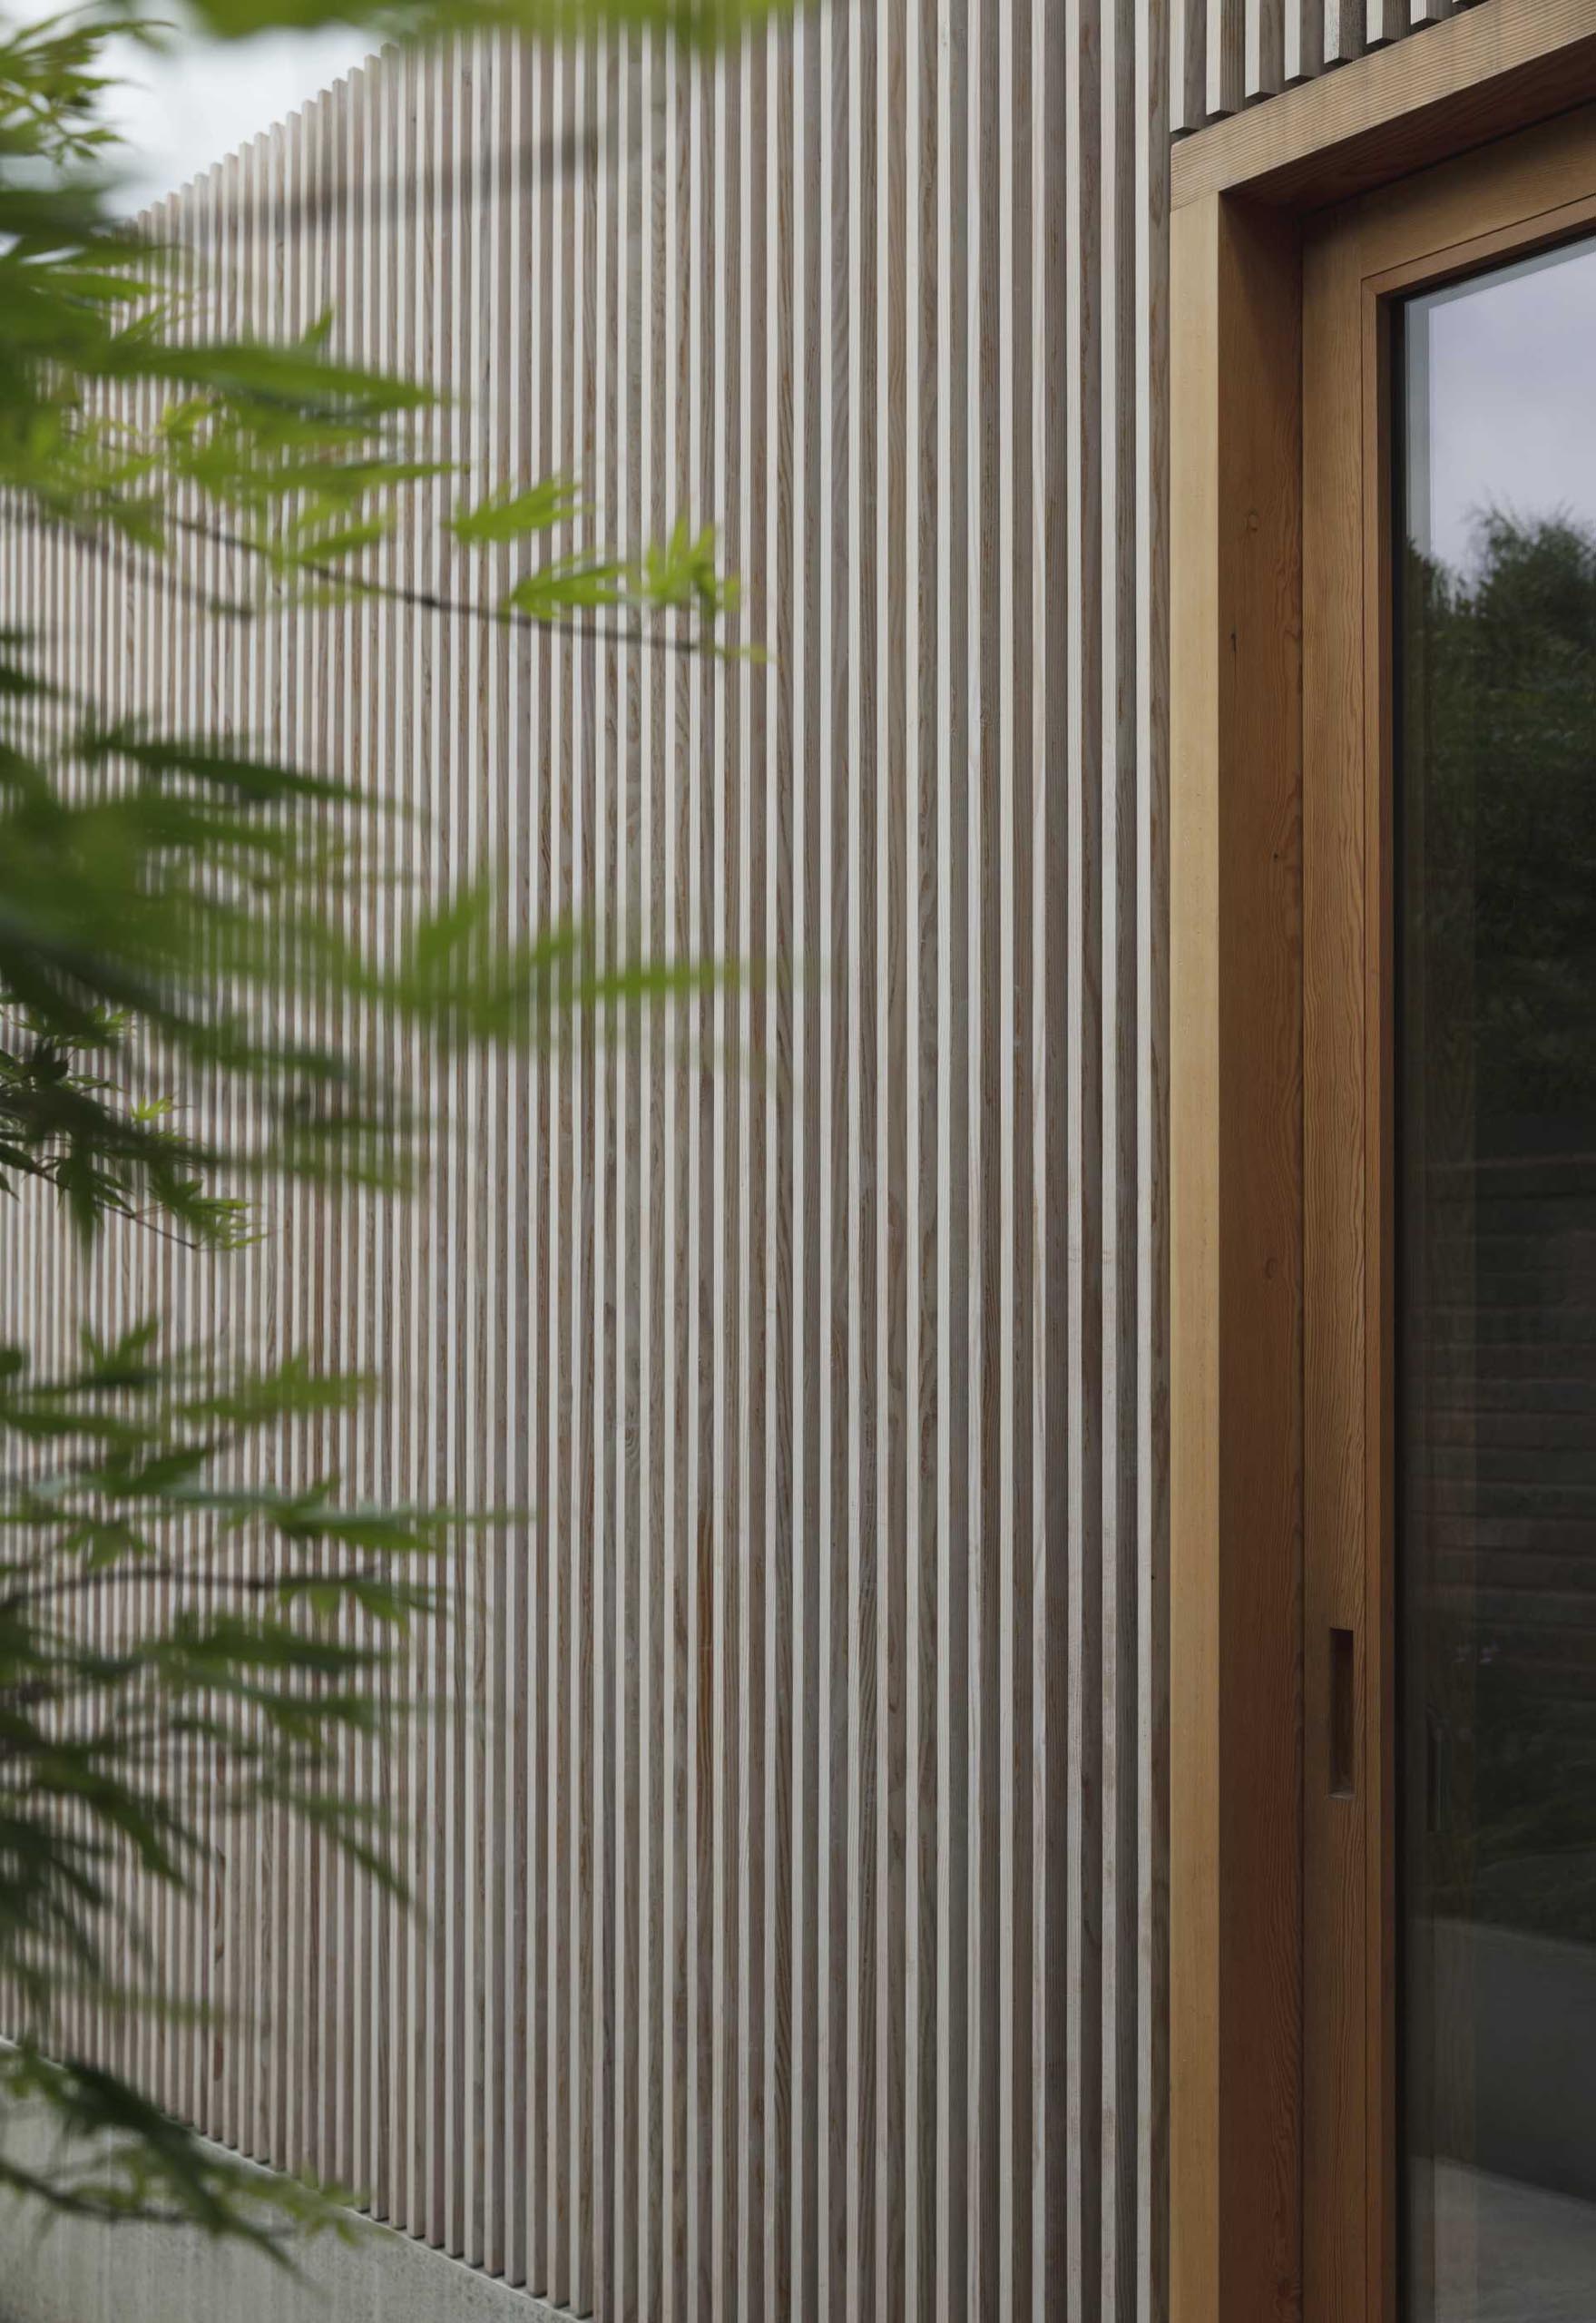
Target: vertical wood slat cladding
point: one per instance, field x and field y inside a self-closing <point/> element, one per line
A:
<point x="791" y="1856"/>
<point x="1228" y="54"/>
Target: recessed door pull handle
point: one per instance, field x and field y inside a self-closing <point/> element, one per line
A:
<point x="1343" y="1724"/>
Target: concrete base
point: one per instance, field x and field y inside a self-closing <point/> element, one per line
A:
<point x="66" y="2272"/>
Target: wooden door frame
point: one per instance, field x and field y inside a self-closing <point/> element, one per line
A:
<point x="1281" y="2057"/>
<point x="1522" y="192"/>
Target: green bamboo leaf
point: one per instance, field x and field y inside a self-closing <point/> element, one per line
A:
<point x="508" y="514"/>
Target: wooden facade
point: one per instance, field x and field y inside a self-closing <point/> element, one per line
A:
<point x="1294" y="1923"/>
<point x="793" y="1866"/>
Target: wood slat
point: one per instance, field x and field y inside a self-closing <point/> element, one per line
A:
<point x="790" y="1842"/>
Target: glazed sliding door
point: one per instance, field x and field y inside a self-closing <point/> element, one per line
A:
<point x="1494" y="487"/>
<point x="1450" y="1243"/>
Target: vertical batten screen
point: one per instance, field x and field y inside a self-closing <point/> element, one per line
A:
<point x="791" y="1860"/>
<point x="1228" y="54"/>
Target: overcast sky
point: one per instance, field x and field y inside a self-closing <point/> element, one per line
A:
<point x="183" y="109"/>
<point x="190" y="109"/>
<point x="1512" y="359"/>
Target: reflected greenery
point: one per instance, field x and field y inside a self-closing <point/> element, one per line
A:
<point x="1504" y="681"/>
<point x="1499" y="739"/>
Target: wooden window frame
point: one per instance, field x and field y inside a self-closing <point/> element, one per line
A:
<point x="1282" y="2056"/>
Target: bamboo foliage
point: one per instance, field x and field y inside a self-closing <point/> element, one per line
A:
<point x="792" y="1853"/>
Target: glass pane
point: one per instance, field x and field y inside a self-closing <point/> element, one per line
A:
<point x="1496" y="1401"/>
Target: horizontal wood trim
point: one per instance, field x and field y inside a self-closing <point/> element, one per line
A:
<point x="1482" y="75"/>
<point x="1457" y="216"/>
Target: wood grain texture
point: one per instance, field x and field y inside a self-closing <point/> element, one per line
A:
<point x="1195" y="1924"/>
<point x="1236" y="1292"/>
<point x="1487" y="70"/>
<point x="792" y="1844"/>
<point x="1336" y="906"/>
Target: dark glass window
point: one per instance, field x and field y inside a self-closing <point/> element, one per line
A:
<point x="1496" y="1399"/>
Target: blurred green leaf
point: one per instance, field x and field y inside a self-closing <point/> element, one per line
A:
<point x="508" y="515"/>
<point x="176" y="908"/>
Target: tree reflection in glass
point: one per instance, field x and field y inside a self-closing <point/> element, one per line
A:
<point x="1496" y="1400"/>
